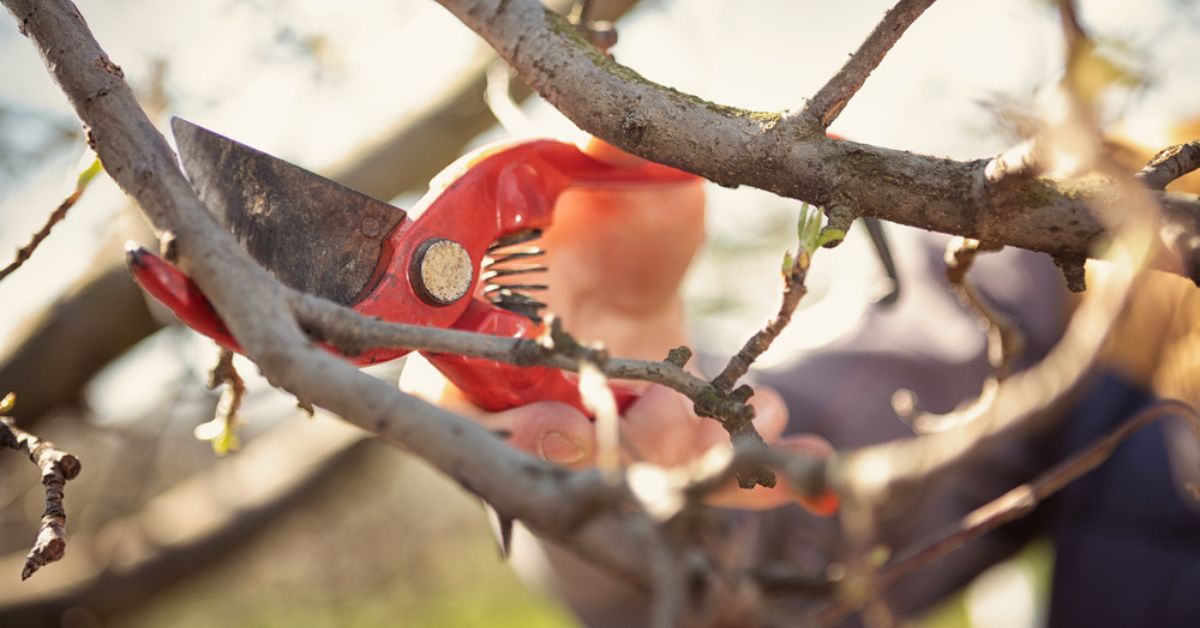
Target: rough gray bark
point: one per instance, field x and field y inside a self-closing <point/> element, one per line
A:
<point x="558" y="504"/>
<point x="789" y="154"/>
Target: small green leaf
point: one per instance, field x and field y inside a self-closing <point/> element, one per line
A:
<point x="88" y="174"/>
<point x="788" y="263"/>
<point x="6" y="404"/>
<point x="221" y="434"/>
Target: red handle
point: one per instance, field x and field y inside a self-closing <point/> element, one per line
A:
<point x="491" y="385"/>
<point x="496" y="386"/>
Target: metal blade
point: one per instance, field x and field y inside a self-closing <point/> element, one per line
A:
<point x="315" y="235"/>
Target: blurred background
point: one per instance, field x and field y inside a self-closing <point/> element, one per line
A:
<point x="310" y="524"/>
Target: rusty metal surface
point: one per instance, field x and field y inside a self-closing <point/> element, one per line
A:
<point x="315" y="235"/>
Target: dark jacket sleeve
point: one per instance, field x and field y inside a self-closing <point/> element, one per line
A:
<point x="926" y="343"/>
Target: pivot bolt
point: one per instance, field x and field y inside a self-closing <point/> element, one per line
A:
<point x="441" y="271"/>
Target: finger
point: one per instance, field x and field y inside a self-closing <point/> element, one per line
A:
<point x="659" y="427"/>
<point x="549" y="430"/>
<point x="770" y="413"/>
<point x="552" y="431"/>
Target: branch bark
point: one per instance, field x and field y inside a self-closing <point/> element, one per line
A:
<point x="56" y="467"/>
<point x="103" y="314"/>
<point x="733" y="147"/>
<point x="556" y="503"/>
<point x="1170" y="164"/>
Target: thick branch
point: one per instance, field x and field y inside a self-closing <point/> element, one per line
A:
<point x="550" y="500"/>
<point x="737" y="147"/>
<point x="836" y="94"/>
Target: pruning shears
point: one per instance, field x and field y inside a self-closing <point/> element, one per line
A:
<point x="457" y="260"/>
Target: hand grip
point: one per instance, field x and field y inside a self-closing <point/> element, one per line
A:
<point x="496" y="386"/>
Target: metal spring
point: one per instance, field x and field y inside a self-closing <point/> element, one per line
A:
<point x="505" y="260"/>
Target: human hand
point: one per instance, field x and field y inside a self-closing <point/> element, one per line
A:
<point x="616" y="256"/>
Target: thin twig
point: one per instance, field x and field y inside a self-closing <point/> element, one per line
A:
<point x="833" y="97"/>
<point x="60" y="212"/>
<point x="353" y="333"/>
<point x="56" y="467"/>
<point x="795" y="269"/>
<point x="794" y="290"/>
<point x="1170" y="164"/>
<point x="1006" y="342"/>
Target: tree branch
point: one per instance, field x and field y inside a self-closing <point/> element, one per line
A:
<point x="559" y="504"/>
<point x="56" y="467"/>
<point x="104" y="313"/>
<point x="1017" y="502"/>
<point x="110" y="580"/>
<point x="734" y="147"/>
<point x="1170" y="164"/>
<point x="836" y="94"/>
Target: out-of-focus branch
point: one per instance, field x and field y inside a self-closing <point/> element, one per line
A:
<point x="1019" y="163"/>
<point x="738" y="147"/>
<point x="1005" y="340"/>
<point x="1005" y="343"/>
<point x="1019" y="501"/>
<point x="354" y="333"/>
<point x="1170" y="164"/>
<point x="56" y="467"/>
<point x="874" y="475"/>
<point x="165" y="542"/>
<point x="836" y="94"/>
<point x="99" y="317"/>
